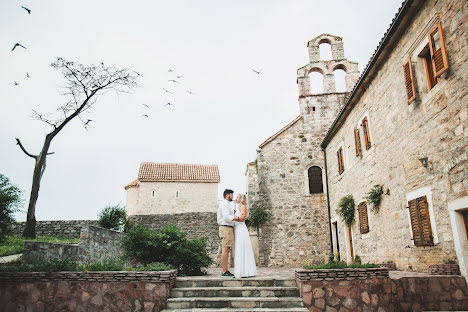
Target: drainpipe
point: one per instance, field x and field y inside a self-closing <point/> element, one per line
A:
<point x="328" y="200"/>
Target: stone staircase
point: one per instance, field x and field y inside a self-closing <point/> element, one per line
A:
<point x="242" y="295"/>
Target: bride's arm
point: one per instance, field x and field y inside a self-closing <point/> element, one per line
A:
<point x="243" y="213"/>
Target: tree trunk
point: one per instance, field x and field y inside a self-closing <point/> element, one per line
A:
<point x="30" y="227"/>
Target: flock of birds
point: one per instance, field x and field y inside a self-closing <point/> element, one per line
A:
<point x="19" y="45"/>
<point x="175" y="80"/>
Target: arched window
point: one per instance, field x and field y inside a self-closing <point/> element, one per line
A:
<point x="315" y="180"/>
<point x="325" y="51"/>
<point x="340" y="80"/>
<point x="316" y="82"/>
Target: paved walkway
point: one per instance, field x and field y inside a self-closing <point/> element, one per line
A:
<point x="11" y="258"/>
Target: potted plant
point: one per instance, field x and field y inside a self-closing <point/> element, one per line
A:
<point x="374" y="197"/>
<point x="346" y="210"/>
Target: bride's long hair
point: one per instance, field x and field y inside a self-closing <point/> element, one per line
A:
<point x="243" y="201"/>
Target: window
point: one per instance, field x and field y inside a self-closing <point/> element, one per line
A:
<point x="420" y="222"/>
<point x="315" y="180"/>
<point x="153" y="193"/>
<point x="177" y="194"/>
<point x="365" y="130"/>
<point x="316" y="81"/>
<point x="409" y="81"/>
<point x="363" y="218"/>
<point x="437" y="49"/>
<point x="432" y="80"/>
<point x="340" y="160"/>
<point x="357" y="142"/>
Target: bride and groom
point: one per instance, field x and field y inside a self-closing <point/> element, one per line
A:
<point x="233" y="233"/>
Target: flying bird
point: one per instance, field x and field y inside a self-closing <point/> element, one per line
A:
<point x="18" y="45"/>
<point x="173" y="81"/>
<point x="146" y="106"/>
<point x="170" y="70"/>
<point x="88" y="121"/>
<point x="144" y="115"/>
<point x="169" y="104"/>
<point x="178" y="77"/>
<point x="190" y="92"/>
<point x="27" y="75"/>
<point x="167" y="91"/>
<point x="28" y="10"/>
<point x="16" y="84"/>
<point x="257" y="71"/>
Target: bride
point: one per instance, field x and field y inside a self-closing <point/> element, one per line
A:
<point x="244" y="260"/>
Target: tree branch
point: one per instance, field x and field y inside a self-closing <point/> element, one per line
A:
<point x="18" y="142"/>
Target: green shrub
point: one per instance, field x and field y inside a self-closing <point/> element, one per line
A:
<point x="257" y="216"/>
<point x="340" y="265"/>
<point x="14" y="244"/>
<point x="10" y="200"/>
<point x="346" y="209"/>
<point x="49" y="265"/>
<point x="171" y="246"/>
<point x="155" y="266"/>
<point x="113" y="218"/>
<point x="374" y="197"/>
<point x="110" y="264"/>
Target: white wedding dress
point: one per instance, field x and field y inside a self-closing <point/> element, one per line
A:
<point x="244" y="259"/>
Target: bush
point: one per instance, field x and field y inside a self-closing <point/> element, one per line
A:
<point x="340" y="265"/>
<point x="113" y="218"/>
<point x="109" y="264"/>
<point x="14" y="244"/>
<point x="10" y="200"/>
<point x="49" y="265"/>
<point x="257" y="216"/>
<point x="155" y="266"/>
<point x="170" y="246"/>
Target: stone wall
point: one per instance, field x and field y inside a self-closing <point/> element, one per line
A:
<point x="171" y="197"/>
<point x="85" y="291"/>
<point x="195" y="224"/>
<point x="373" y="290"/>
<point x="434" y="126"/>
<point x="96" y="244"/>
<point x="59" y="228"/>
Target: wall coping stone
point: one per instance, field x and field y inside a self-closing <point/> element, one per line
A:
<point x="100" y="276"/>
<point x="341" y="274"/>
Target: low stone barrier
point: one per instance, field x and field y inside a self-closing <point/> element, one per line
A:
<point x="96" y="244"/>
<point x="59" y="228"/>
<point x="85" y="291"/>
<point x="374" y="290"/>
<point x="341" y="274"/>
<point x="443" y="269"/>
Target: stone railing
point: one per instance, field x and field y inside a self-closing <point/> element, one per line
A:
<point x="96" y="244"/>
<point x="59" y="228"/>
<point x="88" y="291"/>
<point x="341" y="274"/>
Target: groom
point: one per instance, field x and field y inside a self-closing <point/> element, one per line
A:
<point x="226" y="229"/>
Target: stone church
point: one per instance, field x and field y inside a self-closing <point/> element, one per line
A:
<point x="402" y="125"/>
<point x="173" y="189"/>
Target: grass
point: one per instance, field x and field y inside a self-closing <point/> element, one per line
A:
<point x="340" y="265"/>
<point x="14" y="244"/>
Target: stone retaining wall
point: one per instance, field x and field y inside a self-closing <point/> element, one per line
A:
<point x="85" y="291"/>
<point x="96" y="244"/>
<point x="60" y="228"/>
<point x="195" y="224"/>
<point x="332" y="292"/>
<point x="443" y="269"/>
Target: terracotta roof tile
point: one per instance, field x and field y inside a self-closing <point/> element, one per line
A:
<point x="150" y="171"/>
<point x="134" y="183"/>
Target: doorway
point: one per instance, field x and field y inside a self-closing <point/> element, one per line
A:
<point x="336" y="242"/>
<point x="350" y="238"/>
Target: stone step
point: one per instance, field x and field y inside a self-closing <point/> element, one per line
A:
<point x="235" y="302"/>
<point x="184" y="282"/>
<point x="246" y="291"/>
<point x="303" y="309"/>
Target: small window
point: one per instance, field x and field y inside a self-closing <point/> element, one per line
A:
<point x="153" y="193"/>
<point x="339" y="154"/>
<point x="365" y="130"/>
<point x="357" y="142"/>
<point x="420" y="222"/>
<point x="432" y="80"/>
<point x="315" y="180"/>
<point x="363" y="218"/>
<point x="177" y="194"/>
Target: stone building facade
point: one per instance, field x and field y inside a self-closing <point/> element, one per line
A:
<point x="287" y="178"/>
<point x="405" y="127"/>
<point x="173" y="189"/>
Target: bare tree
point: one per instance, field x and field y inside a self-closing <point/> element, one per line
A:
<point x="83" y="85"/>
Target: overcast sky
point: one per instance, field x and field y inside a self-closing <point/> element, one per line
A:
<point x="214" y="44"/>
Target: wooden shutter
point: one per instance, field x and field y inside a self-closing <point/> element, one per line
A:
<point x="365" y="129"/>
<point x="409" y="81"/>
<point x="437" y="49"/>
<point x="363" y="218"/>
<point x="420" y="222"/>
<point x="340" y="160"/>
<point x="357" y="142"/>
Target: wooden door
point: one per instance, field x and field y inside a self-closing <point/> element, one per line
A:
<point x="350" y="237"/>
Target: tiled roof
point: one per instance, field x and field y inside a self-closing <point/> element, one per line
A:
<point x="274" y="136"/>
<point x="152" y="172"/>
<point x="134" y="183"/>
<point x="407" y="6"/>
